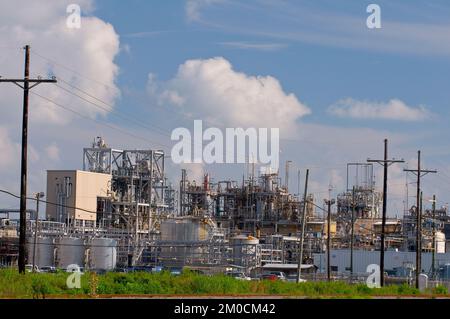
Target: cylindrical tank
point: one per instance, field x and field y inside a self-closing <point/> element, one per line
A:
<point x="245" y="250"/>
<point x="44" y="251"/>
<point x="440" y="242"/>
<point x="70" y="251"/>
<point x="181" y="231"/>
<point x="184" y="229"/>
<point x="103" y="254"/>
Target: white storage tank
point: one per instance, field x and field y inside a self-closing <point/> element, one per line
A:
<point x="245" y="250"/>
<point x="45" y="249"/>
<point x="103" y="254"/>
<point x="184" y="229"/>
<point x="179" y="231"/>
<point x="70" y="251"/>
<point x="440" y="242"/>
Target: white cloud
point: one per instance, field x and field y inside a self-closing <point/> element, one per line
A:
<point x="392" y="110"/>
<point x="83" y="57"/>
<point x="299" y="22"/>
<point x="193" y="8"/>
<point x="8" y="149"/>
<point x="52" y="152"/>
<point x="212" y="90"/>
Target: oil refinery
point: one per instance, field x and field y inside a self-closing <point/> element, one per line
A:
<point x="121" y="212"/>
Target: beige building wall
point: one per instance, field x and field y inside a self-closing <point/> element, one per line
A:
<point x="86" y="188"/>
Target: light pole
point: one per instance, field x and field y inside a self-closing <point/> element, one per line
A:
<point x="329" y="202"/>
<point x="433" y="257"/>
<point x="38" y="197"/>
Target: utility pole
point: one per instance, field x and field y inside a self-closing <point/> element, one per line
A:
<point x="36" y="220"/>
<point x="300" y="257"/>
<point x="329" y="202"/>
<point x="386" y="163"/>
<point x="352" y="234"/>
<point x="433" y="256"/>
<point x="23" y="171"/>
<point x="419" y="173"/>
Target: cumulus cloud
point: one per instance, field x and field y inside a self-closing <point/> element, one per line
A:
<point x="392" y="110"/>
<point x="212" y="90"/>
<point x="81" y="57"/>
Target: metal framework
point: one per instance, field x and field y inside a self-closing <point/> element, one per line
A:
<point x="137" y="198"/>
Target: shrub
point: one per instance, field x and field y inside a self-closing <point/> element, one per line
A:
<point x="440" y="290"/>
<point x="40" y="287"/>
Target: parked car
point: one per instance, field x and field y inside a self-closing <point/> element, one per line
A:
<point x="238" y="275"/>
<point x="48" y="269"/>
<point x="122" y="270"/>
<point x="79" y="269"/>
<point x="29" y="268"/>
<point x="157" y="269"/>
<point x="176" y="271"/>
<point x="271" y="277"/>
<point x="140" y="268"/>
<point x="278" y="274"/>
<point x="99" y="271"/>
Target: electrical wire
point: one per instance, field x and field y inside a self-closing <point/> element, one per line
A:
<point x="97" y="121"/>
<point x="46" y="202"/>
<point x="69" y="69"/>
<point x="110" y="109"/>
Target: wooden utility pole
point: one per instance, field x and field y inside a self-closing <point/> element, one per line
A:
<point x="419" y="173"/>
<point x="386" y="163"/>
<point x="433" y="257"/>
<point x="25" y="85"/>
<point x="302" y="238"/>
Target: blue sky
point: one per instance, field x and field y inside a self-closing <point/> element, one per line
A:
<point x="321" y="52"/>
<point x="161" y="37"/>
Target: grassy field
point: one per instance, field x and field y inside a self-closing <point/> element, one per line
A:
<point x="45" y="285"/>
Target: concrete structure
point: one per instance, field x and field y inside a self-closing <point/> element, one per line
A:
<point x="75" y="188"/>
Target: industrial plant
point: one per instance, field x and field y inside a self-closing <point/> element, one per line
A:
<point x="121" y="212"/>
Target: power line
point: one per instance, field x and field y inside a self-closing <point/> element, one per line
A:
<point x="419" y="172"/>
<point x="162" y="131"/>
<point x="97" y="121"/>
<point x="71" y="70"/>
<point x="47" y="202"/>
<point x="110" y="109"/>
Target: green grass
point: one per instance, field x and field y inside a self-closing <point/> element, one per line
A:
<point x="40" y="285"/>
